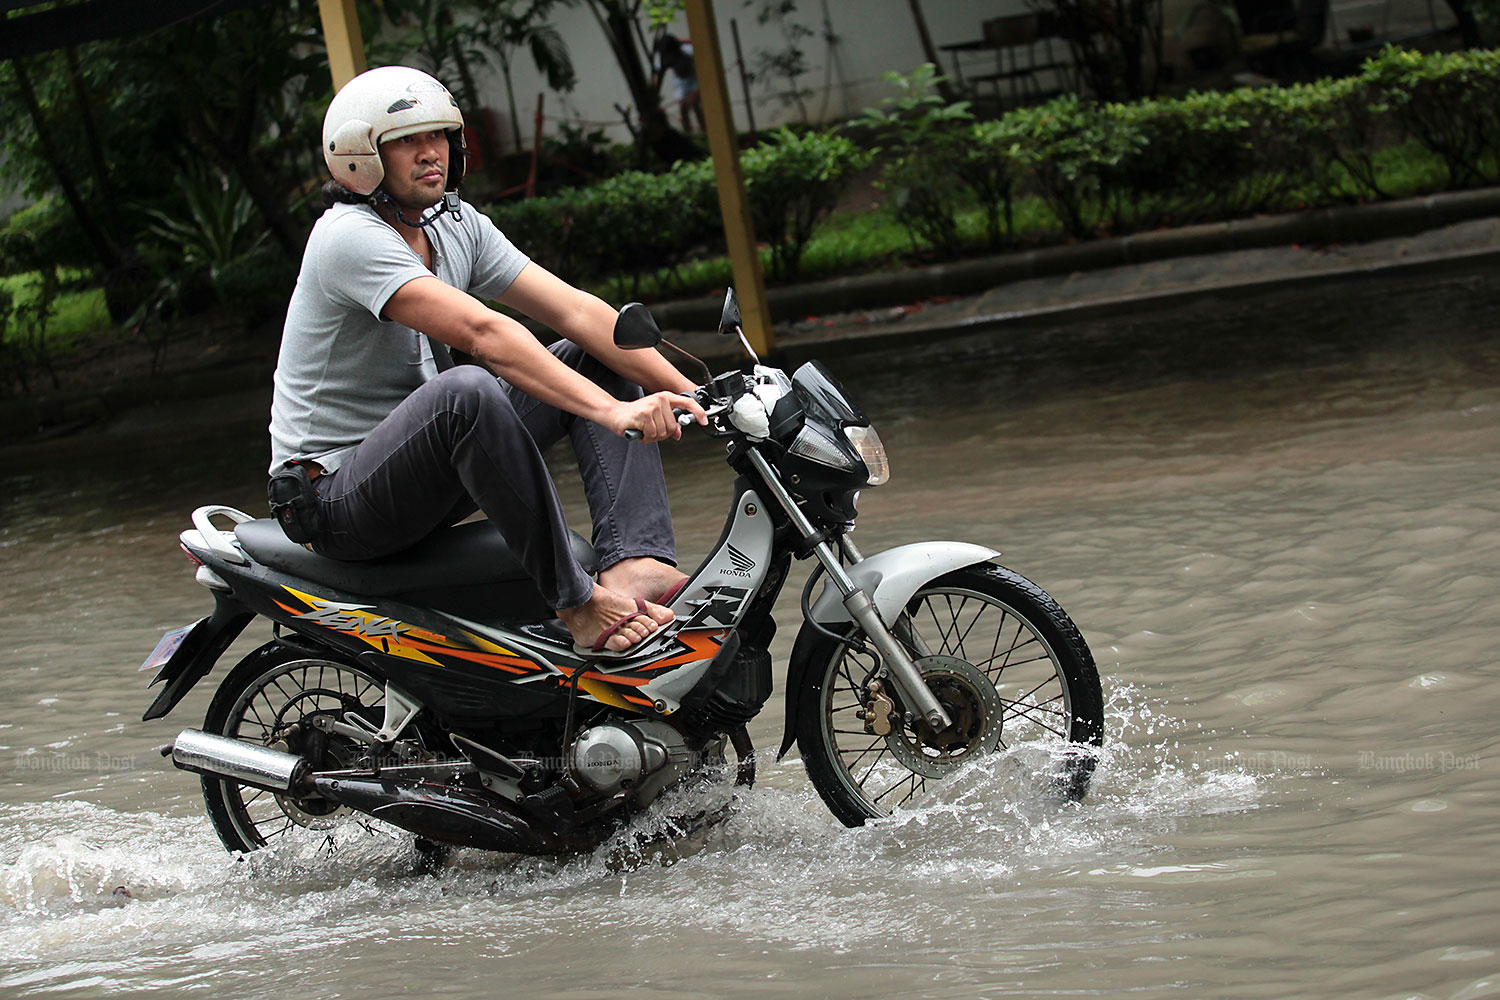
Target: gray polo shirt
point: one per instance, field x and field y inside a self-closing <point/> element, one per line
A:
<point x="342" y="368"/>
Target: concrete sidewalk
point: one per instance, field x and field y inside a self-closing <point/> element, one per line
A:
<point x="1127" y="289"/>
<point x="1148" y="273"/>
<point x="1004" y="295"/>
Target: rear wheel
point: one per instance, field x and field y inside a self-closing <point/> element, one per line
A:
<point x="273" y="698"/>
<point x="1004" y="660"/>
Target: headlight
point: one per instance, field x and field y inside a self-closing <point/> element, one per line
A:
<point x="814" y="444"/>
<point x="867" y="445"/>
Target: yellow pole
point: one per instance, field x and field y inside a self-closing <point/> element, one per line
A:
<point x="739" y="231"/>
<point x="346" y="46"/>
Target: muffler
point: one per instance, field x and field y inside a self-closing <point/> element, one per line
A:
<point x="247" y="763"/>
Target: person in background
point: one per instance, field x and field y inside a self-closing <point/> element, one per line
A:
<point x="674" y="54"/>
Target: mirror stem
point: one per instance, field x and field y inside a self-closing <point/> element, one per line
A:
<point x="708" y="376"/>
<point x="744" y="342"/>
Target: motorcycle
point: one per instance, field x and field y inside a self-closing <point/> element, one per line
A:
<point x="433" y="689"/>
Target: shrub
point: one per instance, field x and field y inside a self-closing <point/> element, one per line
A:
<point x="1448" y="102"/>
<point x="1076" y="154"/>
<point x="792" y="184"/>
<point x="634" y="223"/>
<point x="927" y="139"/>
<point x="990" y="165"/>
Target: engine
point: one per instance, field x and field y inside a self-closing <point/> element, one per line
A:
<point x="638" y="759"/>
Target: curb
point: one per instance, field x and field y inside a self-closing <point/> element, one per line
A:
<point x="60" y="413"/>
<point x="1343" y="224"/>
<point x="918" y="334"/>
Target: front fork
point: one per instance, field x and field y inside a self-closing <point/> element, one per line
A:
<point x="903" y="673"/>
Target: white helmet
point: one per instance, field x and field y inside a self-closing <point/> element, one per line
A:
<point x="384" y="104"/>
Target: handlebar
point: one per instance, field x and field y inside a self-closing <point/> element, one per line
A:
<point x="684" y="419"/>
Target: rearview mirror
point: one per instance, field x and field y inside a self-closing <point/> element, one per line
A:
<point x="635" y="329"/>
<point x="729" y="319"/>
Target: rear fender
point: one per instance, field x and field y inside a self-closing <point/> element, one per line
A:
<point x="199" y="652"/>
<point x="890" y="578"/>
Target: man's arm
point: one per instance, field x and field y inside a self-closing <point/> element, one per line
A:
<point x="589" y="322"/>
<point x="509" y="349"/>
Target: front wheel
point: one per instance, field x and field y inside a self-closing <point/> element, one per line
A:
<point x="1004" y="660"/>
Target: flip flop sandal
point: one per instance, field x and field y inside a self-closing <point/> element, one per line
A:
<point x="670" y="594"/>
<point x="597" y="650"/>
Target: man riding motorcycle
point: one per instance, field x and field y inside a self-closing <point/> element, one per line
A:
<point x="377" y="438"/>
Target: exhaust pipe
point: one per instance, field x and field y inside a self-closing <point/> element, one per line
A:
<point x="247" y="763"/>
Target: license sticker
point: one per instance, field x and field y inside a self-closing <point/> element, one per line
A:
<point x="168" y="645"/>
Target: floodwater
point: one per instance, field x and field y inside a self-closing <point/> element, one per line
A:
<point x="1276" y="522"/>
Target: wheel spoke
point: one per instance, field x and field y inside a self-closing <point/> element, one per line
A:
<point x="1011" y="651"/>
<point x="879" y="741"/>
<point x="911" y="779"/>
<point x="870" y="770"/>
<point x="975" y="621"/>
<point x="1025" y="711"/>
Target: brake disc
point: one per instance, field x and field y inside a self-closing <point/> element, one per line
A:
<point x="971" y="701"/>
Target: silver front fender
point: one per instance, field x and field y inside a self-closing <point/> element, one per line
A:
<point x="890" y="578"/>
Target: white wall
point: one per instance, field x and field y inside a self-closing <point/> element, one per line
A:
<point x="875" y="36"/>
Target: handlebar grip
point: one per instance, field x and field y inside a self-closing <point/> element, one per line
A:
<point x="684" y="419"/>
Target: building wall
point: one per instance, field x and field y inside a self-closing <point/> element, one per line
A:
<point x="873" y="37"/>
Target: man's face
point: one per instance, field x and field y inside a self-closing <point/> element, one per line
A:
<point x="416" y="169"/>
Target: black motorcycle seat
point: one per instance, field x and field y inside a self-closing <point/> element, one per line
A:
<point x="465" y="555"/>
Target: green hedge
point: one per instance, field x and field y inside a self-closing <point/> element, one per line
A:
<point x="1214" y="156"/>
<point x="643" y="225"/>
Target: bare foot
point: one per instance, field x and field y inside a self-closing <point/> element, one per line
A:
<point x="641" y="577"/>
<point x="590" y="620"/>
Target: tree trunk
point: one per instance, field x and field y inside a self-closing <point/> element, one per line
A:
<point x="91" y="141"/>
<point x="124" y="273"/>
<point x="655" y="130"/>
<point x="510" y="97"/>
<point x="1468" y="27"/>
<point x="944" y="87"/>
<point x="104" y="247"/>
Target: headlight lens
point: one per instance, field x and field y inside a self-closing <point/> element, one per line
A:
<point x="867" y="445"/>
<point x="813" y="444"/>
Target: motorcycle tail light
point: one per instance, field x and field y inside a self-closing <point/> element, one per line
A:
<point x="191" y="558"/>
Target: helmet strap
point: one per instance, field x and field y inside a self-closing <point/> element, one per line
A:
<point x="448" y="204"/>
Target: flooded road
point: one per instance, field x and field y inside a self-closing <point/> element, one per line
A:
<point x="1279" y="533"/>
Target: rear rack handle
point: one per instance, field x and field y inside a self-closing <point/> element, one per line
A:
<point x="221" y="543"/>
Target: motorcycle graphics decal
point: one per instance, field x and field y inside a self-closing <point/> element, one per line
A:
<point x="721" y="608"/>
<point x="612" y="686"/>
<point x="619" y="685"/>
<point x="397" y="638"/>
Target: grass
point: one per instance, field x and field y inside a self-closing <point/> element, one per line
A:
<point x="76" y="315"/>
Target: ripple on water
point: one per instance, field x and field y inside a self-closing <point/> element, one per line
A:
<point x="914" y="877"/>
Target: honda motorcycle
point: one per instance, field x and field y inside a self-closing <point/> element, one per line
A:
<point x="435" y="691"/>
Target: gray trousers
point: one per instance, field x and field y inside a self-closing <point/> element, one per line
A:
<point x="466" y="441"/>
